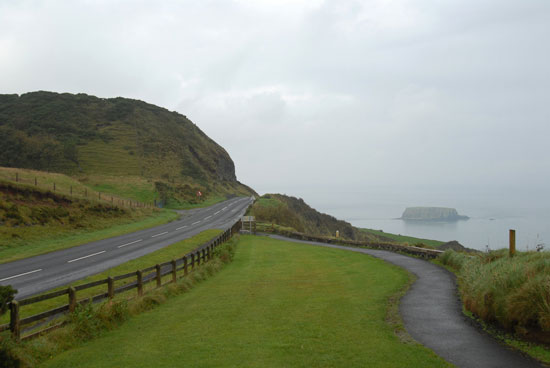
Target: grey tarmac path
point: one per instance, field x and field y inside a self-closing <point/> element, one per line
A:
<point x="432" y="315"/>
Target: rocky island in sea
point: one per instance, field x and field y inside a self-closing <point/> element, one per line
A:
<point x="432" y="214"/>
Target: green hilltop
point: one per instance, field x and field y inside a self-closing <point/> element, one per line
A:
<point x="117" y="145"/>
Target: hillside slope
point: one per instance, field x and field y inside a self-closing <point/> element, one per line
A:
<point x="86" y="137"/>
<point x="294" y="213"/>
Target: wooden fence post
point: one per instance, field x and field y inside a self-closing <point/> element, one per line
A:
<point x="198" y="258"/>
<point x="174" y="275"/>
<point x="54" y="187"/>
<point x="185" y="270"/>
<point x="192" y="261"/>
<point x="140" y="283"/>
<point x="14" y="320"/>
<point x="157" y="267"/>
<point x="72" y="298"/>
<point x="110" y="287"/>
<point x="35" y="181"/>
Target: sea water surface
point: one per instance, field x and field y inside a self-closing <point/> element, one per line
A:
<point x="492" y="211"/>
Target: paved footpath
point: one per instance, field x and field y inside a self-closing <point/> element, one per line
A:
<point x="432" y="314"/>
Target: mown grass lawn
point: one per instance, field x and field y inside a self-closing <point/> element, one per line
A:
<point x="279" y="304"/>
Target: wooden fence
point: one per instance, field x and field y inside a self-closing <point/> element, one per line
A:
<point x="174" y="267"/>
<point x="74" y="192"/>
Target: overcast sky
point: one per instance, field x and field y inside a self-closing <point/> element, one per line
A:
<point x="309" y="93"/>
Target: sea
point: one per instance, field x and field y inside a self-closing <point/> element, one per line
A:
<point x="492" y="212"/>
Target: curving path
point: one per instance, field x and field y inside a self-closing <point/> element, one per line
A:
<point x="432" y="314"/>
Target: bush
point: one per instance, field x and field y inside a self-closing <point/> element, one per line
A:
<point x="6" y="295"/>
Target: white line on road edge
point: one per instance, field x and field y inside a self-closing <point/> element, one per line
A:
<point x="21" y="274"/>
<point x="223" y="209"/>
<point x="215" y="213"/>
<point x="89" y="255"/>
<point x="181" y="227"/>
<point x="207" y="217"/>
<point x="123" y="245"/>
<point x="153" y="236"/>
<point x="194" y="223"/>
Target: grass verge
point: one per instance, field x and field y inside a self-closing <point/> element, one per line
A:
<point x="173" y="251"/>
<point x="509" y="297"/>
<point x="403" y="239"/>
<point x="278" y="304"/>
<point x="91" y="321"/>
<point x="44" y="242"/>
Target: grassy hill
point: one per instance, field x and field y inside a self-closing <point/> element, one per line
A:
<point x="296" y="215"/>
<point x="280" y="212"/>
<point x="35" y="219"/>
<point x="123" y="146"/>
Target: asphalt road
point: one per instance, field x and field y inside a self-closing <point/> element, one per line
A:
<point x="44" y="272"/>
<point x="432" y="314"/>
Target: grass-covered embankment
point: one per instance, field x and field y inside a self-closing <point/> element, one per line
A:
<point x="172" y="251"/>
<point x="35" y="220"/>
<point x="511" y="293"/>
<point x="404" y="239"/>
<point x="90" y="321"/>
<point x="277" y="304"/>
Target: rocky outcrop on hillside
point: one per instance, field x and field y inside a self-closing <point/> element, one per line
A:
<point x="432" y="214"/>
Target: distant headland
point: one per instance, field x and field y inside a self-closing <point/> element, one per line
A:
<point x="432" y="214"/>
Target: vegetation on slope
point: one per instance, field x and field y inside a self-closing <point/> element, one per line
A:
<point x="104" y="141"/>
<point x="513" y="293"/>
<point x="281" y="213"/>
<point x="296" y="215"/>
<point x="278" y="304"/>
<point x="35" y="221"/>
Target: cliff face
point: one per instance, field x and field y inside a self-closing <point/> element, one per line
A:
<point x="432" y="214"/>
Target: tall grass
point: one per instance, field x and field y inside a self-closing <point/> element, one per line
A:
<point x="512" y="292"/>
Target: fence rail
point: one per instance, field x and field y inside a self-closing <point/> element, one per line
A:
<point x="80" y="192"/>
<point x="199" y="255"/>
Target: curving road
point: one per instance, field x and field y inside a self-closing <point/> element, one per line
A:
<point x="41" y="273"/>
<point x="432" y="314"/>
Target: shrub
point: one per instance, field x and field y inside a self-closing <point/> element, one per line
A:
<point x="6" y="295"/>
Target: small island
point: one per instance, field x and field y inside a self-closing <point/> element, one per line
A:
<point x="432" y="214"/>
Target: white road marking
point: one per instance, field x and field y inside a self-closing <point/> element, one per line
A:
<point x="207" y="217"/>
<point x="215" y="213"/>
<point x="89" y="255"/>
<point x="181" y="227"/>
<point x="153" y="236"/>
<point x="21" y="274"/>
<point x="223" y="209"/>
<point x="194" y="223"/>
<point x="134" y="242"/>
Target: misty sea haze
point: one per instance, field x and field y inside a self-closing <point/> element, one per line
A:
<point x="492" y="213"/>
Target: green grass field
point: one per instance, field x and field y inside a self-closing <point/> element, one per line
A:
<point x="278" y="304"/>
<point x="173" y="251"/>
<point x="405" y="239"/>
